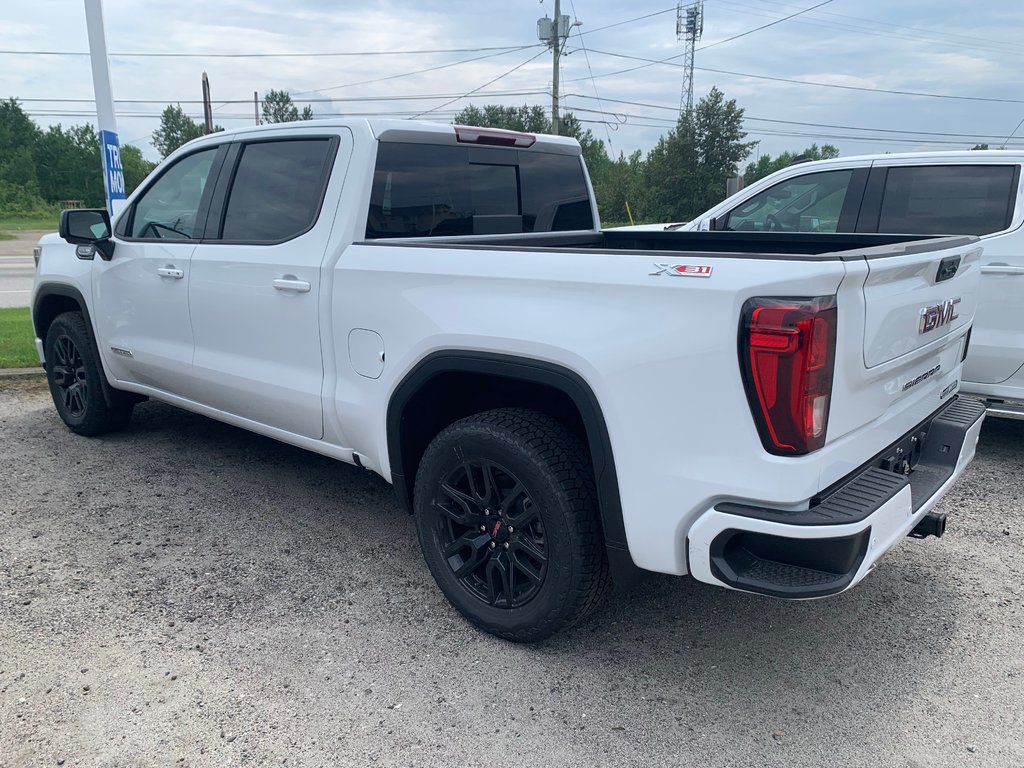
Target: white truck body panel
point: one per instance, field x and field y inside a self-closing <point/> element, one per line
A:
<point x="316" y="360"/>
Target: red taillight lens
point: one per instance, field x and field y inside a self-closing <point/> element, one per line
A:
<point x="788" y="352"/>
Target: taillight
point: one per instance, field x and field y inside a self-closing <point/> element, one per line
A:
<point x="788" y="353"/>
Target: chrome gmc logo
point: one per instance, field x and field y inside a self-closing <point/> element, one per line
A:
<point x="938" y="315"/>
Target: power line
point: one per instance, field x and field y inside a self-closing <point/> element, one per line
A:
<point x="763" y="26"/>
<point x="420" y="71"/>
<point x="975" y="137"/>
<point x="586" y="56"/>
<point x="627" y="21"/>
<point x="266" y="55"/>
<point x="489" y="82"/>
<point x="873" y="26"/>
<point x="324" y="99"/>
<point x="669" y="61"/>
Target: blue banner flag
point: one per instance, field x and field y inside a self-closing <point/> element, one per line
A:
<point x="113" y="173"/>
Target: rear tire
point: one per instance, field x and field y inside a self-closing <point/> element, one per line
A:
<point x="76" y="379"/>
<point x="507" y="518"/>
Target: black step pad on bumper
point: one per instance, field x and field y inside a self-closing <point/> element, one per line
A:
<point x="940" y="440"/>
<point x="784" y="566"/>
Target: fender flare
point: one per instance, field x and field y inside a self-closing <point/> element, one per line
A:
<point x="71" y="292"/>
<point x="539" y="372"/>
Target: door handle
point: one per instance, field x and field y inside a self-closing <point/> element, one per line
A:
<point x="290" y="285"/>
<point x="177" y="274"/>
<point x="1002" y="269"/>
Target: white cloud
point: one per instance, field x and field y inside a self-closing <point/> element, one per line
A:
<point x="940" y="47"/>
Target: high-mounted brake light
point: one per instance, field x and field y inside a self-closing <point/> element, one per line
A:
<point x="494" y="137"/>
<point x="787" y="352"/>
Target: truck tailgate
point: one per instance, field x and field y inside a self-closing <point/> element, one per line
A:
<point x="918" y="297"/>
<point x="900" y="359"/>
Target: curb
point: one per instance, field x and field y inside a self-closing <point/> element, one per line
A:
<point x="21" y="373"/>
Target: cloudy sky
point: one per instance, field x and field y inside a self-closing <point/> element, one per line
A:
<point x="865" y="75"/>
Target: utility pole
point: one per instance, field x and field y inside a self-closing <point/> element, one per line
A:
<point x="207" y="107"/>
<point x="256" y="105"/>
<point x="552" y="32"/>
<point x="556" y="49"/>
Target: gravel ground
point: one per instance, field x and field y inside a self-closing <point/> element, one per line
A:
<point x="189" y="594"/>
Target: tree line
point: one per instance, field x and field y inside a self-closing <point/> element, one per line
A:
<point x="42" y="170"/>
<point x="682" y="175"/>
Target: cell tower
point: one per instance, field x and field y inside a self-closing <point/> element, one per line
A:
<point x="689" y="27"/>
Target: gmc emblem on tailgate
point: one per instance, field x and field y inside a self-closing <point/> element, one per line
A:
<point x="938" y="315"/>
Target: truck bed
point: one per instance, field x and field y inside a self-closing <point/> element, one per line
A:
<point x="737" y="244"/>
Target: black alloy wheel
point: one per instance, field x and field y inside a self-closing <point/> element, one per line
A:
<point x="68" y="376"/>
<point x="77" y="382"/>
<point x="491" y="533"/>
<point x="506" y="514"/>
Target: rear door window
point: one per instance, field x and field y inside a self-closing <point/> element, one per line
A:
<point x="277" y="189"/>
<point x="426" y="190"/>
<point x="809" y="203"/>
<point x="948" y="200"/>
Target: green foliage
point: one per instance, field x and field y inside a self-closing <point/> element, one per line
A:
<point x="16" y="127"/>
<point x="135" y="167"/>
<point x="176" y="128"/>
<point x="532" y="119"/>
<point x="279" y="108"/>
<point x="766" y="164"/>
<point x="686" y="172"/>
<point x="17" y="341"/>
<point x="980" y="146"/>
<point x="19" y="188"/>
<point x="69" y="165"/>
<point x="527" y="119"/>
<point x="620" y="188"/>
<point x="39" y="169"/>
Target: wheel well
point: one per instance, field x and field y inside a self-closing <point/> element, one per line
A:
<point x="48" y="307"/>
<point x="452" y="395"/>
<point x="448" y="386"/>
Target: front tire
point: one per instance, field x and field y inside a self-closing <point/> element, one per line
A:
<point x="507" y="518"/>
<point x="75" y="376"/>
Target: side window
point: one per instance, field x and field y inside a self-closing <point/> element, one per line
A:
<point x="277" y="189"/>
<point x="948" y="200"/>
<point x="170" y="207"/>
<point x="423" y="190"/>
<point x="811" y="203"/>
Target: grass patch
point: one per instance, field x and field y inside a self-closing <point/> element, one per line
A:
<point x="17" y="340"/>
<point x="47" y="221"/>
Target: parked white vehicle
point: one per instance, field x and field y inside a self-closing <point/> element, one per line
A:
<point x="925" y="193"/>
<point x="555" y="403"/>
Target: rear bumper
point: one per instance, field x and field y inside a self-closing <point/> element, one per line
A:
<point x="1004" y="408"/>
<point x="836" y="541"/>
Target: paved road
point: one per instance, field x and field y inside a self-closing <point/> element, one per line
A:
<point x="188" y="594"/>
<point x="17" y="269"/>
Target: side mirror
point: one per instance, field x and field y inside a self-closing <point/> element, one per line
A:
<point x="88" y="226"/>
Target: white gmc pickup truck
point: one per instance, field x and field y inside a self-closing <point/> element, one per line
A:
<point x="554" y="403"/>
